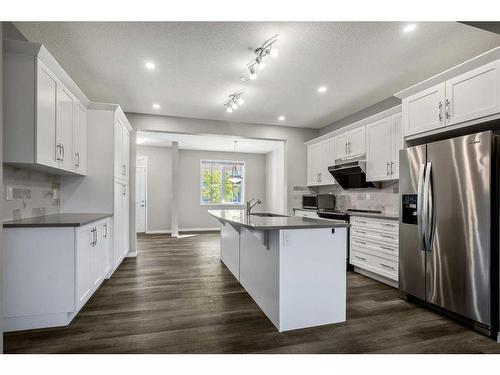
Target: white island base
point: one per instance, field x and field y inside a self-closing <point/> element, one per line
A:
<point x="296" y="276"/>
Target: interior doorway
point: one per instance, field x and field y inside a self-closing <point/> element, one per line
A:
<point x="141" y="195"/>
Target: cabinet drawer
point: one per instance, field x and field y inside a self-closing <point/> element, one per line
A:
<point x="388" y="238"/>
<point x="373" y="263"/>
<point x="390" y="251"/>
<point x="375" y="224"/>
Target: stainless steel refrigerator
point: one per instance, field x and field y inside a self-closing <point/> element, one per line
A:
<point x="449" y="227"/>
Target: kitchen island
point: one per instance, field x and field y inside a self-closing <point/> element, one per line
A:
<point x="293" y="267"/>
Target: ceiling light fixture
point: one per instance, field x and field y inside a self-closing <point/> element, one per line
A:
<point x="235" y="177"/>
<point x="281" y="118"/>
<point x="268" y="49"/>
<point x="235" y="101"/>
<point x="409" y="27"/>
<point x="156" y="106"/>
<point x="322" y="89"/>
<point x="150" y="65"/>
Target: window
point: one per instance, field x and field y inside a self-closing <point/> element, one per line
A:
<point x="216" y="184"/>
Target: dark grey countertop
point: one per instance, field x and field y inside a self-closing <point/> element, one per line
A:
<point x="361" y="214"/>
<point x="240" y="218"/>
<point x="56" y="220"/>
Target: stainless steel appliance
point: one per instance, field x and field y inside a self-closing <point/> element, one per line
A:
<point x="351" y="175"/>
<point x="449" y="227"/>
<point x="310" y="202"/>
<point x="318" y="201"/>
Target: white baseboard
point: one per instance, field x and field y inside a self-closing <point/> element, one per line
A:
<point x="131" y="255"/>
<point x="167" y="231"/>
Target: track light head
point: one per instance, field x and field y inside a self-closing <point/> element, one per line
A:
<point x="274" y="52"/>
<point x="229" y="109"/>
<point x="240" y="101"/>
<point x="253" y="74"/>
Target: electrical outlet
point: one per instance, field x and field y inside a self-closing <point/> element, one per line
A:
<point x="286" y="238"/>
<point x="9" y="193"/>
<point x="55" y="194"/>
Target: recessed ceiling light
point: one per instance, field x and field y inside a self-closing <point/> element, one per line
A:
<point x="409" y="27"/>
<point x="322" y="89"/>
<point x="281" y="118"/>
<point x="156" y="106"/>
<point x="150" y="65"/>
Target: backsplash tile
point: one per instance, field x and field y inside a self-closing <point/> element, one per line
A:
<point x="32" y="191"/>
<point x="385" y="199"/>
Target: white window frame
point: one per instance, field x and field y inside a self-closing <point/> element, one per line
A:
<point x="243" y="182"/>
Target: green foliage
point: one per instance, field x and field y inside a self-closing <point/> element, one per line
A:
<point x="214" y="190"/>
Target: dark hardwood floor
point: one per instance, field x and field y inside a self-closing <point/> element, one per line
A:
<point x="177" y="297"/>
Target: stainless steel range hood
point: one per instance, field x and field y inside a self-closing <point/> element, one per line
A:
<point x="351" y="175"/>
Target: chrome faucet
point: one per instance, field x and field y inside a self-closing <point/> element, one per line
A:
<point x="251" y="204"/>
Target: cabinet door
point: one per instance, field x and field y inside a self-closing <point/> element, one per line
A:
<point x="107" y="246"/>
<point x="46" y="114"/>
<point x="125" y="153"/>
<point x="341" y="141"/>
<point x="397" y="143"/>
<point x="80" y="138"/>
<point x="125" y="219"/>
<point x="424" y="111"/>
<point x="118" y="223"/>
<point x="64" y="128"/>
<point x="313" y="162"/>
<point x="327" y="159"/>
<point x="118" y="149"/>
<point x="378" y="150"/>
<point x="473" y="94"/>
<point x="84" y="277"/>
<point x="357" y="144"/>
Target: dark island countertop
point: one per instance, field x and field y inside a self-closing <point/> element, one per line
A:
<point x="56" y="220"/>
<point x="240" y="218"/>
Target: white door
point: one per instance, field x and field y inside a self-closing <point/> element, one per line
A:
<point x="80" y="138"/>
<point x="64" y="128"/>
<point x="397" y="144"/>
<point x="356" y="141"/>
<point x="378" y="149"/>
<point x="46" y="114"/>
<point x="341" y="143"/>
<point x="424" y="110"/>
<point x="473" y="94"/>
<point x="327" y="159"/>
<point x="140" y="201"/>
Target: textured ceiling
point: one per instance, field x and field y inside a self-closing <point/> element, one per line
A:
<point x="199" y="63"/>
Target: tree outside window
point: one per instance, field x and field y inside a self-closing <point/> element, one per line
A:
<point x="215" y="184"/>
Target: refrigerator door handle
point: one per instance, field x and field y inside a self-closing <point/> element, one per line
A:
<point x="426" y="216"/>
<point x="420" y="216"/>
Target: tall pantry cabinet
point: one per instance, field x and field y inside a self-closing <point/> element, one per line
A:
<point x="106" y="187"/>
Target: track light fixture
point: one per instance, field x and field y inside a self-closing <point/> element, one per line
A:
<point x="267" y="49"/>
<point x="235" y="101"/>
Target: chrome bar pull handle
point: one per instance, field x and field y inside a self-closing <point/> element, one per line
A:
<point x="447" y="109"/>
<point x="426" y="217"/>
<point x="420" y="216"/>
<point x="440" y="111"/>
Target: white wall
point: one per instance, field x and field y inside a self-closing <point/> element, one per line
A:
<point x="192" y="215"/>
<point x="295" y="149"/>
<point x="275" y="181"/>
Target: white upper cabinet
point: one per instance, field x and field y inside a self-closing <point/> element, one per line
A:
<point x="319" y="157"/>
<point x="474" y="94"/>
<point x="46" y="114"/>
<point x="424" y="111"/>
<point x="41" y="123"/>
<point x="80" y="137"/>
<point x="122" y="151"/>
<point x="466" y="97"/>
<point x="64" y="129"/>
<point x="350" y="144"/>
<point x="383" y="142"/>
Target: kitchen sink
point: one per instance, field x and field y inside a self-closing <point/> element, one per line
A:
<point x="266" y="214"/>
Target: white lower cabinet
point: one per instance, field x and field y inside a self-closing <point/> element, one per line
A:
<point x="374" y="248"/>
<point x="50" y="273"/>
<point x="121" y="221"/>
